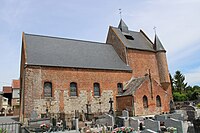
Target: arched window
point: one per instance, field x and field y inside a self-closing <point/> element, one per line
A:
<point x="120" y="88"/>
<point x="47" y="89"/>
<point x="145" y="101"/>
<point x="73" y="89"/>
<point x="96" y="89"/>
<point x="158" y="101"/>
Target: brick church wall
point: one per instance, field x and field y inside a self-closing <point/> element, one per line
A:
<point x="141" y="62"/>
<point x="61" y="79"/>
<point x="145" y="89"/>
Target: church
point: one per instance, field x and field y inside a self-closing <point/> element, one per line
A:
<point x="61" y="75"/>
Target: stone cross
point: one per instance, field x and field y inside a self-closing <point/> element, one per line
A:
<point x="111" y="107"/>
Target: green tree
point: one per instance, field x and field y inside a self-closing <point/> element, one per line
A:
<point x="172" y="82"/>
<point x="179" y="82"/>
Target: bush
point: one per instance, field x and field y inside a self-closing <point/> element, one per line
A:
<point x="198" y="105"/>
<point x="179" y="96"/>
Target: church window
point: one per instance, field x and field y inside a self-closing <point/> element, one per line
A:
<point x="96" y="89"/>
<point x="145" y="101"/>
<point x="47" y="89"/>
<point x="120" y="88"/>
<point x="158" y="101"/>
<point x="73" y="89"/>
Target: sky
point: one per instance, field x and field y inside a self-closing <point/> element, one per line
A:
<point x="177" y="24"/>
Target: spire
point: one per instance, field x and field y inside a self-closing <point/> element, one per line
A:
<point x="158" y="45"/>
<point x="123" y="27"/>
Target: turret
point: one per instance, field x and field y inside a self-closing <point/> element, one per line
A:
<point x="162" y="63"/>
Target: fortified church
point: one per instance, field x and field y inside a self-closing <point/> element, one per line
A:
<point x="60" y="75"/>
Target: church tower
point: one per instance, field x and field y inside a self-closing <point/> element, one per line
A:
<point x="162" y="63"/>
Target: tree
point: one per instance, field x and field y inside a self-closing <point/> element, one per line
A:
<point x="172" y="82"/>
<point x="179" y="84"/>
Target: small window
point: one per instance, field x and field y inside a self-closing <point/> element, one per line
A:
<point x="129" y="37"/>
<point x="47" y="89"/>
<point x="145" y="101"/>
<point x="73" y="89"/>
<point x="120" y="88"/>
<point x="158" y="101"/>
<point x="96" y="89"/>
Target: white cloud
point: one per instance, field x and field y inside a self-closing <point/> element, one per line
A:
<point x="193" y="76"/>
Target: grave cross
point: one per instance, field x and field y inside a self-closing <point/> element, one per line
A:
<point x="111" y="107"/>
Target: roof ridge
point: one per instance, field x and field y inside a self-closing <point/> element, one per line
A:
<point x="66" y="38"/>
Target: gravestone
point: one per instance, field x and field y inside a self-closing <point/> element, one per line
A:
<point x="34" y="115"/>
<point x="176" y="116"/>
<point x="119" y="121"/>
<point x="134" y="123"/>
<point x="170" y="122"/>
<point x="161" y="118"/>
<point x="125" y="114"/>
<point x="197" y="125"/>
<point x="89" y="112"/>
<point x="74" y="124"/>
<point x="171" y="105"/>
<point x="191" y="115"/>
<point x="152" y="125"/>
<point x="105" y="120"/>
<point x="149" y="131"/>
<point x="185" y="116"/>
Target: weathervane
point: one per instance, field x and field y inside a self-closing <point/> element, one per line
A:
<point x="120" y="12"/>
<point x="154" y="28"/>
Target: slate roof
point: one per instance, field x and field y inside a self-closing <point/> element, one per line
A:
<point x="123" y="27"/>
<point x="133" y="85"/>
<point x="140" y="42"/>
<point x="62" y="52"/>
<point x="158" y="45"/>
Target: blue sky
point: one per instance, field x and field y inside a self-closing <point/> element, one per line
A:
<point x="177" y="22"/>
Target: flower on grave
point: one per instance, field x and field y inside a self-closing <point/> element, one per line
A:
<point x="123" y="130"/>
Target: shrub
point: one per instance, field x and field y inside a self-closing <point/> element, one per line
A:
<point x="179" y="96"/>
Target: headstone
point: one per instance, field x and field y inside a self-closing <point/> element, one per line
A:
<point x="152" y="125"/>
<point x="76" y="124"/>
<point x="125" y="114"/>
<point x="134" y="123"/>
<point x="185" y="117"/>
<point x="105" y="120"/>
<point x="170" y="122"/>
<point x="197" y="125"/>
<point x="34" y="115"/>
<point x="89" y="112"/>
<point x="191" y="115"/>
<point x="119" y="121"/>
<point x="149" y="131"/>
<point x="73" y="124"/>
<point x="171" y="105"/>
<point x="176" y="116"/>
<point x="161" y="118"/>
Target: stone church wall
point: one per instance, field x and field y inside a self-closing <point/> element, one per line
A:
<point x="61" y="79"/>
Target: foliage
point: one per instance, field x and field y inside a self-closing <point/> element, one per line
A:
<point x="182" y="92"/>
<point x="198" y="106"/>
<point x="3" y="130"/>
<point x="179" y="84"/>
<point x="179" y="96"/>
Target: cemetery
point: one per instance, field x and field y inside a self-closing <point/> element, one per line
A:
<point x="183" y="120"/>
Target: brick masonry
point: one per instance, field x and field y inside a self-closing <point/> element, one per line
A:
<point x="61" y="79"/>
<point x="142" y="63"/>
